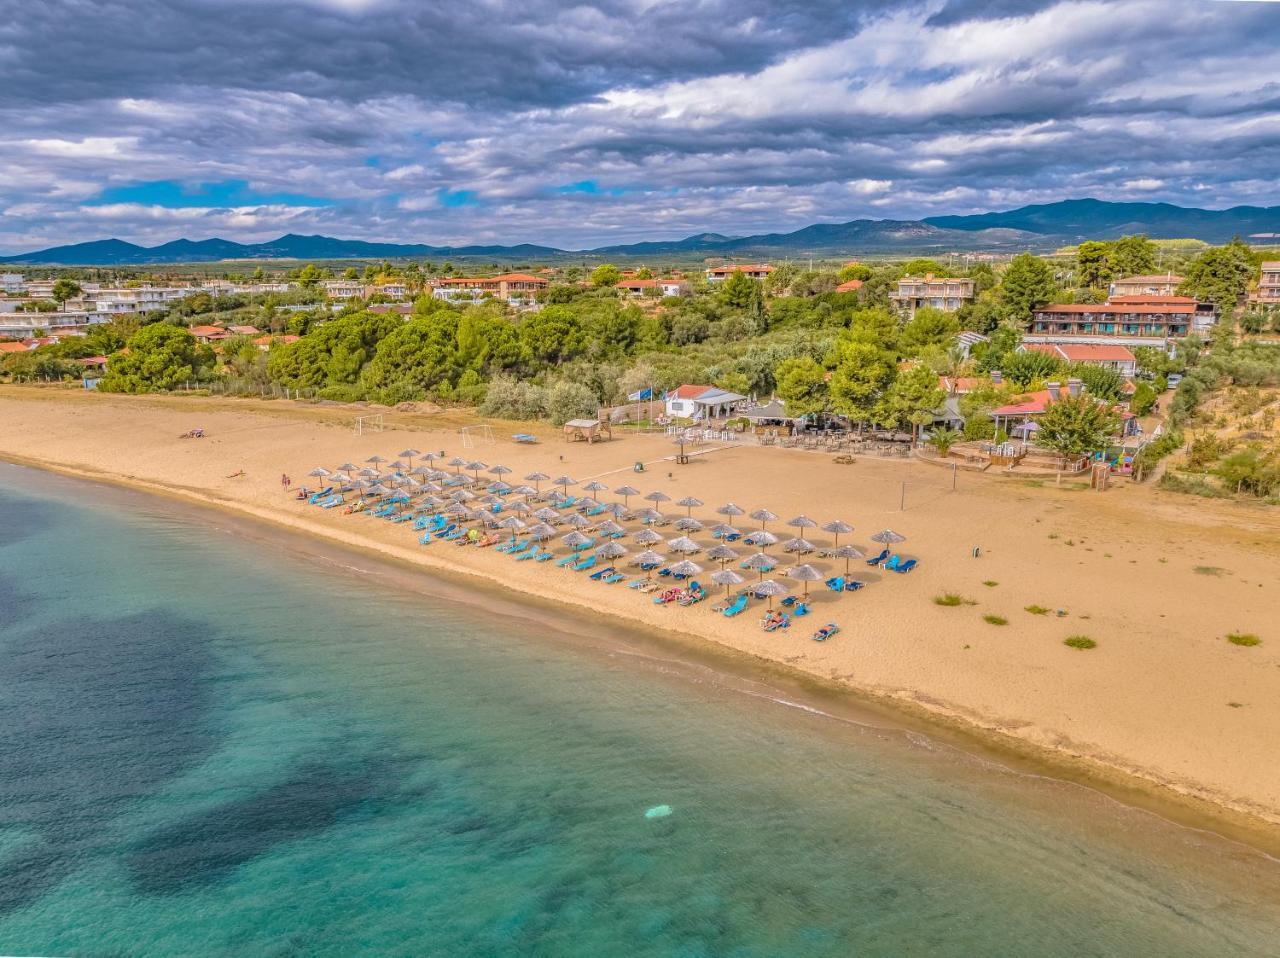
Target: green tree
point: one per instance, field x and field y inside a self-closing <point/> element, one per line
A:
<point x="65" y="289"/>
<point x="913" y="399"/>
<point x="1132" y="256"/>
<point x="928" y="327"/>
<point x="309" y="276"/>
<point x="859" y="271"/>
<point x="802" y="385"/>
<point x="351" y="274"/>
<point x="644" y="273"/>
<point x="1220" y="275"/>
<point x="943" y="439"/>
<point x="159" y="356"/>
<point x="740" y="291"/>
<point x="1026" y="286"/>
<point x="570" y="400"/>
<point x="1093" y="264"/>
<point x="1102" y="382"/>
<point x="863" y="373"/>
<point x="923" y="267"/>
<point x="606" y="274"/>
<point x="1077" y="426"/>
<point x="1143" y="399"/>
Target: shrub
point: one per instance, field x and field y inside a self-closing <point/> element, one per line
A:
<point x="1080" y="642"/>
<point x="995" y="619"/>
<point x="949" y="599"/>
<point x="570" y="400"/>
<point x="507" y="399"/>
<point x="1037" y="610"/>
<point x="1246" y="639"/>
<point x="991" y="583"/>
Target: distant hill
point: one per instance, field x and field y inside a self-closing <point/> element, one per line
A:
<point x="1042" y="227"/>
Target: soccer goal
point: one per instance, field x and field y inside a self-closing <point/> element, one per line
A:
<point x="368" y="424"/>
<point x="473" y="434"/>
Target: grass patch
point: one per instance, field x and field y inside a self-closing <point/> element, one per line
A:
<point x="991" y="583"/>
<point x="1235" y="705"/>
<point x="1080" y="642"/>
<point x="995" y="619"/>
<point x="1208" y="570"/>
<point x="1246" y="639"/>
<point x="951" y="600"/>
<point x="1038" y="610"/>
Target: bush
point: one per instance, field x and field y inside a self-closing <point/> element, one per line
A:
<point x="1080" y="642"/>
<point x="950" y="600"/>
<point x="508" y="399"/>
<point x="1037" y="610"/>
<point x="570" y="400"/>
<point x="995" y="619"/>
<point x="1246" y="639"/>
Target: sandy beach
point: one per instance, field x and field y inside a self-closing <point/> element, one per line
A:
<point x="1156" y="580"/>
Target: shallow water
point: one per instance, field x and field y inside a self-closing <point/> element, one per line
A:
<point x="212" y="746"/>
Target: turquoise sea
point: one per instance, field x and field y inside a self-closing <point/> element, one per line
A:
<point x="216" y="743"/>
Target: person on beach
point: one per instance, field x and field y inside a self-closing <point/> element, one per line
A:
<point x="285" y="481"/>
<point x="236" y="475"/>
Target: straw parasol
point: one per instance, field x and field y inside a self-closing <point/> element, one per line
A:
<point x="546" y="514"/>
<point x="457" y="462"/>
<point x="319" y="472"/>
<point x="838" y="528"/>
<point x="765" y="517"/>
<point x="656" y="497"/>
<point x="595" y="485"/>
<point x="647" y="515"/>
<point x="518" y="507"/>
<point x="611" y="550"/>
<point x="730" y="509"/>
<point x="499" y="470"/>
<point x="806" y="574"/>
<point x="690" y="503"/>
<point x="408" y="453"/>
<point x="888" y="537"/>
<point x="375" y="461"/>
<point x="761" y="539"/>
<point x="535" y="478"/>
<point x="802" y="522"/>
<point x="768" y="588"/>
<point x="649" y="558"/>
<point x="513" y="523"/>
<point x="615" y="509"/>
<point x="684" y="545"/>
<point x="760" y="562"/>
<point x="723" y="553"/>
<point x="575" y="540"/>
<point x="626" y="492"/>
<point x="422" y="471"/>
<point x="647" y="537"/>
<point x="797" y="545"/>
<point x="609" y="528"/>
<point x="540" y="531"/>
<point x="686" y="568"/>
<point x="564" y="482"/>
<point x="348" y="467"/>
<point x="726" y="578"/>
<point x="688" y="524"/>
<point x="577" y="520"/>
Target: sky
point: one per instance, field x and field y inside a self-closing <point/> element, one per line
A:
<point x="579" y="125"/>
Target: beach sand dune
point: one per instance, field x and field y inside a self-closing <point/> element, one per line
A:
<point x="1156" y="580"/>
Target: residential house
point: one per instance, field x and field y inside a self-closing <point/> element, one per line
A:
<point x="946" y="294"/>
<point x="22" y="347"/>
<point x="244" y="330"/>
<point x="208" y="334"/>
<point x="515" y="288"/>
<point x="676" y="286"/>
<point x="342" y="288"/>
<point x="1018" y="417"/>
<point x="639" y="287"/>
<point x="1108" y="355"/>
<point x="1157" y="285"/>
<point x="265" y="343"/>
<point x="12" y="284"/>
<point x="702" y="402"/>
<point x="1127" y="320"/>
<point x="966" y="339"/>
<point x="1267" y="295"/>
<point x="39" y="288"/>
<point x="759" y="271"/>
<point x="849" y="286"/>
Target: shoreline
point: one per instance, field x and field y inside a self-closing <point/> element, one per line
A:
<point x="973" y="737"/>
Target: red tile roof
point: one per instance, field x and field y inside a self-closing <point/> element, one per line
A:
<point x="849" y="286"/>
<point x="1084" y="352"/>
<point x="688" y="392"/>
<point x="1172" y="309"/>
<point x="14" y="347"/>
<point x="1158" y="300"/>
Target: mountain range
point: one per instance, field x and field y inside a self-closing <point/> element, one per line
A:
<point x="1038" y="227"/>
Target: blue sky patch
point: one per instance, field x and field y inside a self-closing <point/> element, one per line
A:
<point x="220" y="195"/>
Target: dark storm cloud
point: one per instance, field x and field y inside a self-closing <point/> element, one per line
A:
<point x="624" y="119"/>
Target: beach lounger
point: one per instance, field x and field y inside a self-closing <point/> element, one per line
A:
<point x="527" y="554"/>
<point x="906" y="566"/>
<point x="736" y="606"/>
<point x="892" y="564"/>
<point x="524" y="437"/>
<point x="586" y="563"/>
<point x="317" y="496"/>
<point x="544" y="557"/>
<point x="802" y="608"/>
<point x="826" y="632"/>
<point x="836" y="583"/>
<point x="878" y="559"/>
<point x="601" y="573"/>
<point x="586" y="545"/>
<point x="637" y="583"/>
<point x="571" y="557"/>
<point x="425" y="538"/>
<point x="853" y="585"/>
<point x="454" y="535"/>
<point x="611" y="579"/>
<point x="782" y="623"/>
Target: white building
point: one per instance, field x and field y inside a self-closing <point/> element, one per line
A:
<point x="702" y="402"/>
<point x="11" y="284"/>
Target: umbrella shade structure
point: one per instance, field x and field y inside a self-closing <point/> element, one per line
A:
<point x="837" y="528"/>
<point x="575" y="540"/>
<point x="348" y="467"/>
<point x="610" y="528"/>
<point x="564" y="482"/>
<point x="521" y="507"/>
<point x="759" y="562"/>
<point x="500" y="470"/>
<point x="648" y="557"/>
<point x="423" y="471"/>
<point x="626" y="492"/>
<point x="536" y="478"/>
<point x="769" y="589"/>
<point x="647" y="537"/>
<point x="684" y="545"/>
<point x="726" y="578"/>
<point x="720" y="530"/>
<point x="615" y="509"/>
<point x="523" y="490"/>
<point x="400" y="466"/>
<point x="658" y="497"/>
<point x="595" y="486"/>
<point x="431" y="456"/>
<point x="722" y="552"/>
<point x="690" y="503"/>
<point x="848" y="554"/>
<point x="761" y="539"/>
<point x="457" y="462"/>
<point x="511" y="522"/>
<point x="612" y="550"/>
<point x="797" y="545"/>
<point x="477" y="467"/>
<point x="764" y="516"/>
<point x="888" y="537"/>
<point x="731" y="510"/>
<point x="688" y="524"/>
<point x="540" y="532"/>
<point x="409" y="454"/>
<point x="501" y="488"/>
<point x="546" y="514"/>
<point x="375" y="460"/>
<point x="647" y="515"/>
<point x="802" y="522"/>
<point x="319" y="472"/>
<point x="806" y="574"/>
<point x="577" y="520"/>
<point x="586" y="502"/>
<point x="686" y="568"/>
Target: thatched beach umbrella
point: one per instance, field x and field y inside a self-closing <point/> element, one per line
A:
<point x="540" y="532"/>
<point x="888" y="537"/>
<point x="797" y="545"/>
<point x="523" y="490"/>
<point x="688" y="524"/>
<point x="547" y="514"/>
<point x="457" y="462"/>
<point x="656" y="497"/>
<point x="499" y="470"/>
<point x="838" y="528"/>
<point x="723" y="553"/>
<point x="501" y="488"/>
<point x="514" y="523"/>
<point x="616" y="509"/>
<point x="348" y="467"/>
<point x="626" y="492"/>
<point x="575" y="540"/>
<point x="802" y="522"/>
<point x="720" y="530"/>
<point x="726" y="578"/>
<point x="521" y="507"/>
<point x="647" y="514"/>
<point x="768" y="588"/>
<point x="689" y="503"/>
<point x="610" y="528"/>
<point x="476" y="466"/>
<point x="577" y="520"/>
<point x="536" y="478"/>
<point x="399" y="466"/>
<point x="806" y="574"/>
<point x="595" y="485"/>
<point x="761" y="539"/>
<point x="686" y="568"/>
<point x="408" y="453"/>
<point x="564" y="482"/>
<point x="375" y="460"/>
<point x="319" y="472"/>
<point x="730" y="509"/>
<point x="648" y="558"/>
<point x="760" y="562"/>
<point x="423" y="471"/>
<point x="684" y="545"/>
<point x="647" y="537"/>
<point x="765" y="517"/>
<point x="612" y="550"/>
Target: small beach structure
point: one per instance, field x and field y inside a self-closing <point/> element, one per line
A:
<point x="690" y="503"/>
<point x="806" y="574"/>
<point x="848" y="554"/>
<point x="731" y="510"/>
<point x="769" y="589"/>
<point x="726" y="578"/>
<point x="684" y="545"/>
<point x="760" y="562"/>
<point x="626" y="492"/>
<point x="723" y="554"/>
<point x="587" y="430"/>
<point x="837" y="528"/>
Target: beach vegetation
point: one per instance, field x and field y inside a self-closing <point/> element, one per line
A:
<point x="990" y="583"/>
<point x="993" y="619"/>
<point x="951" y="600"/>
<point x="1246" y="639"/>
<point x="1038" y="609"/>
<point x="1077" y="425"/>
<point x="156" y="357"/>
<point x="1080" y="642"/>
